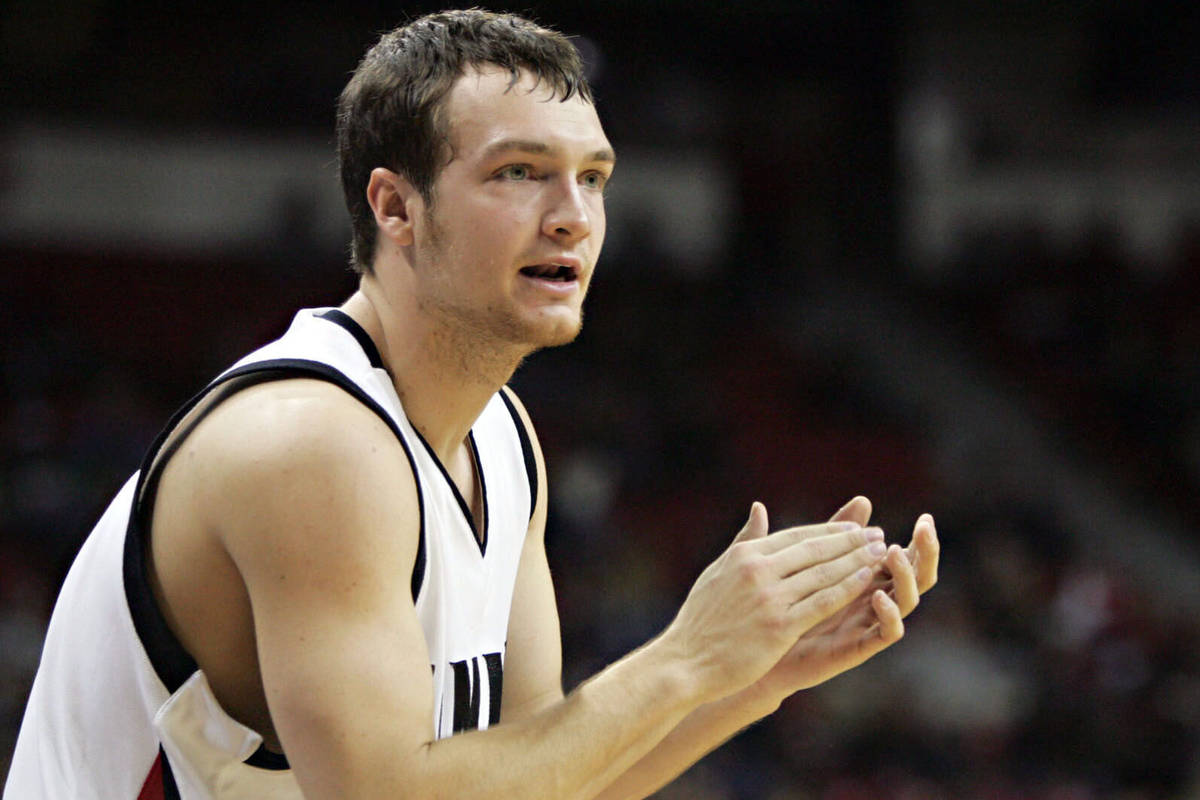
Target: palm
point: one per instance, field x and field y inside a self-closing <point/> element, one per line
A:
<point x="841" y="642"/>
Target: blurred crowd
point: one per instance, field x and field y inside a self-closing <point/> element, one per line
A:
<point x="1035" y="669"/>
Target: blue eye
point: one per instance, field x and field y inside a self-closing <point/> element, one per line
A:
<point x="516" y="172"/>
<point x="594" y="180"/>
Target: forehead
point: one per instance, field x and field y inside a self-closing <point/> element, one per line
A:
<point x="482" y="109"/>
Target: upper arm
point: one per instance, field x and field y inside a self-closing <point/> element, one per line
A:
<point x="533" y="663"/>
<point x="317" y="506"/>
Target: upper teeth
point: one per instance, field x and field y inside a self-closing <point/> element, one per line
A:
<point x="543" y="270"/>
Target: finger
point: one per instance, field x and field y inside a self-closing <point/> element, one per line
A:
<point x="904" y="579"/>
<point x="924" y="552"/>
<point x="882" y="579"/>
<point x="756" y="524"/>
<point x="884" y="632"/>
<point x="816" y="602"/>
<point x="826" y="556"/>
<point x="857" y="510"/>
<point x="789" y="537"/>
<point x="891" y="621"/>
<point x="921" y="528"/>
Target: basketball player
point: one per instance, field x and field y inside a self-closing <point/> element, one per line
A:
<point x="332" y="560"/>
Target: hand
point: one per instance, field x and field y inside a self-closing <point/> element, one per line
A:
<point x="748" y="608"/>
<point x="871" y="622"/>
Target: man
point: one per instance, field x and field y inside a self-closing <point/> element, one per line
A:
<point x="332" y="560"/>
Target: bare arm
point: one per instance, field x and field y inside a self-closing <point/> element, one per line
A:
<point x="315" y="502"/>
<point x="870" y="624"/>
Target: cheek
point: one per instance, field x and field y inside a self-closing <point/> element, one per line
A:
<point x="599" y="226"/>
<point x="498" y="222"/>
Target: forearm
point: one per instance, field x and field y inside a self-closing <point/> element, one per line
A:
<point x="571" y="750"/>
<point x="695" y="736"/>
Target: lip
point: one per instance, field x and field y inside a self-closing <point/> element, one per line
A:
<point x="574" y="263"/>
<point x="547" y="285"/>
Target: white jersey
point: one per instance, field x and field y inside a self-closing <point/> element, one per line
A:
<point x="120" y="711"/>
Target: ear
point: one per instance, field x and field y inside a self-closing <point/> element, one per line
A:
<point x="393" y="200"/>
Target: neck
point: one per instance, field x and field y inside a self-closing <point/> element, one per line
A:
<point x="442" y="374"/>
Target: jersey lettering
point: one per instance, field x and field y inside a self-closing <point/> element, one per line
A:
<point x="468" y="676"/>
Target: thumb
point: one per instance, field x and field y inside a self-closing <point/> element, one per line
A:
<point x="756" y="524"/>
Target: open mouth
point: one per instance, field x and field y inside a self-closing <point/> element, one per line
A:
<point x="550" y="272"/>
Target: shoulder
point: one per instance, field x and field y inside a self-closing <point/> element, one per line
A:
<point x="293" y="423"/>
<point x="300" y="463"/>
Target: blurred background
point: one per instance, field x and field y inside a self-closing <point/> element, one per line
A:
<point x="941" y="254"/>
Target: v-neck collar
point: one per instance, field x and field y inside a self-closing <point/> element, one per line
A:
<point x="480" y="536"/>
<point x="478" y="532"/>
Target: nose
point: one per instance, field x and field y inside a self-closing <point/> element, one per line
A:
<point x="568" y="216"/>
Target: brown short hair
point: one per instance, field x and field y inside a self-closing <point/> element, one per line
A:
<point x="388" y="114"/>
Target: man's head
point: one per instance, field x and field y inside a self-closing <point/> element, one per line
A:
<point x="390" y="113"/>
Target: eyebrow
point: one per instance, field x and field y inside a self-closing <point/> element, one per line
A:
<point x="534" y="147"/>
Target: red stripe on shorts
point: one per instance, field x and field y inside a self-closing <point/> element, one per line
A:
<point x="152" y="789"/>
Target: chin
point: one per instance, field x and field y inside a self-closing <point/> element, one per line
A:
<point x="553" y="330"/>
<point x="557" y="335"/>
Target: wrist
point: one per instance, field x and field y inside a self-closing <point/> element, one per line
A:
<point x="681" y="675"/>
<point x="686" y="675"/>
<point x="760" y="699"/>
<point x="700" y="671"/>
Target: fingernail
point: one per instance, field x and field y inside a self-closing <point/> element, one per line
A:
<point x="874" y="534"/>
<point x="863" y="574"/>
<point x="877" y="548"/>
<point x="844" y="527"/>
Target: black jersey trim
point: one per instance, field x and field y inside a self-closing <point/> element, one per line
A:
<point x="486" y="523"/>
<point x="170" y="791"/>
<point x="481" y="540"/>
<point x="171" y="662"/>
<point x="263" y="758"/>
<point x="339" y="317"/>
<point x="526" y="450"/>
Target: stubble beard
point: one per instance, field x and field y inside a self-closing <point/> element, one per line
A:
<point x="488" y="343"/>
